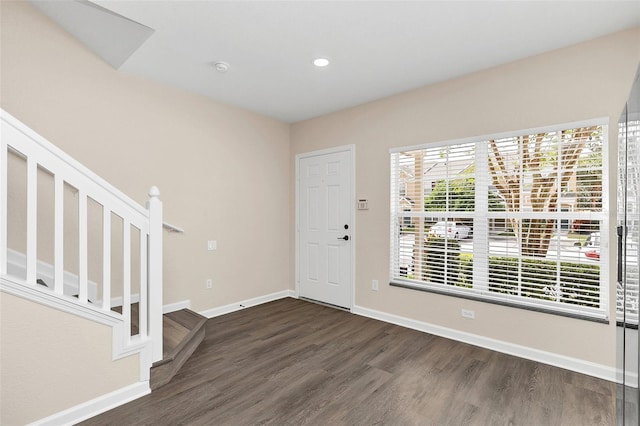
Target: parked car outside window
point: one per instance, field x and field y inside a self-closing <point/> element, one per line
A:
<point x="455" y="230"/>
<point x="592" y="246"/>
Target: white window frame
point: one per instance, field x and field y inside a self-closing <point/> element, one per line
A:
<point x="479" y="291"/>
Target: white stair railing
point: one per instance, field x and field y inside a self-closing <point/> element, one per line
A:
<point x="25" y="145"/>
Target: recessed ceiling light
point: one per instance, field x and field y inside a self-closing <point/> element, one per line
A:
<point x="221" y="66"/>
<point x="321" y="62"/>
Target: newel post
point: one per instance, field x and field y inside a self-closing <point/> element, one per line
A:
<point x="154" y="206"/>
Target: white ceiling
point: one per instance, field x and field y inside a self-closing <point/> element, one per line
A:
<point x="376" y="48"/>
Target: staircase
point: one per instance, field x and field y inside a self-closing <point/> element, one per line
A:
<point x="113" y="244"/>
<point x="71" y="241"/>
<point x="183" y="331"/>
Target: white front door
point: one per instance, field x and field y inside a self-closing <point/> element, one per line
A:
<point x="325" y="228"/>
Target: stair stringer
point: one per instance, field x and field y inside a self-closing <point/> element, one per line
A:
<point x="121" y="348"/>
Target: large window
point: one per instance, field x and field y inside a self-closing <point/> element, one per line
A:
<point x="515" y="219"/>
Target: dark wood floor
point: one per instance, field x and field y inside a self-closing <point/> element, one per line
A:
<point x="292" y="362"/>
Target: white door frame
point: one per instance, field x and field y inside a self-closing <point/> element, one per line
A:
<point x="352" y="214"/>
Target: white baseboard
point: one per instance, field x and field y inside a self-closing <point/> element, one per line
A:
<point x="96" y="406"/>
<point x="172" y="307"/>
<point x="227" y="309"/>
<point x="569" y="363"/>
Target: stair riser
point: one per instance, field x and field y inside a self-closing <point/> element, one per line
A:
<point x="195" y="326"/>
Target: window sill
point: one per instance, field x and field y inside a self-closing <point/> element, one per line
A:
<point x="507" y="303"/>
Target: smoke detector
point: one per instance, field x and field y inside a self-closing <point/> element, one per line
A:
<point x="221" y="67"/>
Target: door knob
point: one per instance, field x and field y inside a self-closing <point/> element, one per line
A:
<point x="346" y="238"/>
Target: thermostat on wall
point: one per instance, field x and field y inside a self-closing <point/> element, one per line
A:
<point x="363" y="204"/>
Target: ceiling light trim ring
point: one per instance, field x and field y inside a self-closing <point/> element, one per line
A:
<point x="321" y="62"/>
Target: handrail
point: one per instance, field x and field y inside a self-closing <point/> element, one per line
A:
<point x="69" y="161"/>
<point x="172" y="228"/>
<point x="137" y="221"/>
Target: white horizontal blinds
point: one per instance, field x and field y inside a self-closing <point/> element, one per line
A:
<point x="580" y="206"/>
<point x="633" y="236"/>
<point x="434" y="206"/>
<point x="580" y="184"/>
<point x="408" y="221"/>
<point x="515" y="219"/>
<point x="449" y="204"/>
<point x="551" y="186"/>
<point x="504" y="196"/>
<point x="629" y="296"/>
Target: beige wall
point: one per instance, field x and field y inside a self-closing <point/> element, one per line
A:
<point x="223" y="173"/>
<point x="226" y="174"/>
<point x="586" y="81"/>
<point x="58" y="366"/>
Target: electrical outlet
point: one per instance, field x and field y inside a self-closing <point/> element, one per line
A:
<point x="212" y="245"/>
<point x="374" y="285"/>
<point x="209" y="283"/>
<point x="466" y="313"/>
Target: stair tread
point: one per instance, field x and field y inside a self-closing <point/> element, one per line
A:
<point x="185" y="317"/>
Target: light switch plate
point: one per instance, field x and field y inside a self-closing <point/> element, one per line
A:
<point x="212" y="245"/>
